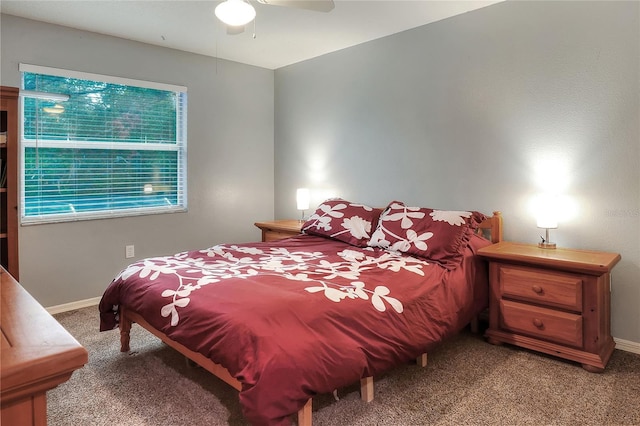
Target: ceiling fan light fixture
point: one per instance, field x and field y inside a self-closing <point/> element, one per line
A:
<point x="235" y="13"/>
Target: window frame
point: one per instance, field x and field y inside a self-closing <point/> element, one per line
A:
<point x="180" y="146"/>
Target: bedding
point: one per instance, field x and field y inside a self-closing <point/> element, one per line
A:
<point x="297" y="317"/>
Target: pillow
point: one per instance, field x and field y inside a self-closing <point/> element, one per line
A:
<point x="342" y="220"/>
<point x="440" y="236"/>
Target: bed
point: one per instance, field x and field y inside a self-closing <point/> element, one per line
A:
<point x="360" y="291"/>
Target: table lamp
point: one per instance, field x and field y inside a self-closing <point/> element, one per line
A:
<point x="547" y="219"/>
<point x="302" y="201"/>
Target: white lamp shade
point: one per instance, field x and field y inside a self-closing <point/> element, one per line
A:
<point x="547" y="215"/>
<point x="302" y="198"/>
<point x="547" y="222"/>
<point x="235" y="13"/>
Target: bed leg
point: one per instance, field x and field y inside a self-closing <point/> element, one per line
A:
<point x="304" y="414"/>
<point x="474" y="325"/>
<point x="125" y="328"/>
<point x="366" y="389"/>
<point x="422" y="360"/>
<point x="190" y="363"/>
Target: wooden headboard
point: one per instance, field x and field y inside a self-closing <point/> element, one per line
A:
<point x="491" y="227"/>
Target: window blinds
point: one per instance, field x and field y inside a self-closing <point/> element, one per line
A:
<point x="116" y="147"/>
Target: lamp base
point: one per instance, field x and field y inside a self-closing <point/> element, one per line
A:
<point x="547" y="245"/>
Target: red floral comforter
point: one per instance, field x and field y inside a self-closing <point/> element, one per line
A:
<point x="293" y="318"/>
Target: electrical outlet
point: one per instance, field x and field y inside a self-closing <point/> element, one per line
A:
<point x="129" y="251"/>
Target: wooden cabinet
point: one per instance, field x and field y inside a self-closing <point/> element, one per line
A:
<point x="37" y="355"/>
<point x="278" y="229"/>
<point x="555" y="301"/>
<point x="9" y="179"/>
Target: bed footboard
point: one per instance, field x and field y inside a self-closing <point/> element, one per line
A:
<point x="127" y="318"/>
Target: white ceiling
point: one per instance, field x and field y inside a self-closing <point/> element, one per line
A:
<point x="283" y="35"/>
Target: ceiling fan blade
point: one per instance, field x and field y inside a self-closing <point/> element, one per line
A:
<point x="233" y="30"/>
<point x="316" y="5"/>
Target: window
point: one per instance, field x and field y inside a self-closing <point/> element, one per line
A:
<point x="95" y="146"/>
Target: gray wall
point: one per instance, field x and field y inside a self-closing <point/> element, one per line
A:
<point x="466" y="112"/>
<point x="230" y="159"/>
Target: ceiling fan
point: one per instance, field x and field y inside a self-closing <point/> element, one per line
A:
<point x="238" y="13"/>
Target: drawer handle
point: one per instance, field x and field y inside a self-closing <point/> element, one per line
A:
<point x="538" y="323"/>
<point x="537" y="289"/>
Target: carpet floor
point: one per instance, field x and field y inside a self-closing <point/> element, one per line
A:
<point x="466" y="382"/>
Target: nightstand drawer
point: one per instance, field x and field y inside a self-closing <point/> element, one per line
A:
<point x="547" y="288"/>
<point x="554" y="326"/>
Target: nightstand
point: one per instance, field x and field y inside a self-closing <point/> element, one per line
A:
<point x="555" y="301"/>
<point x="278" y="229"/>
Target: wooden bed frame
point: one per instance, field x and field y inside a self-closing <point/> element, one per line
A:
<point x="490" y="228"/>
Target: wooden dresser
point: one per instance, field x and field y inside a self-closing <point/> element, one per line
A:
<point x="278" y="229"/>
<point x="37" y="355"/>
<point x="555" y="301"/>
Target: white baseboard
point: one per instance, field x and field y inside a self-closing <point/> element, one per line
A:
<point x="627" y="345"/>
<point x="623" y="345"/>
<point x="73" y="305"/>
